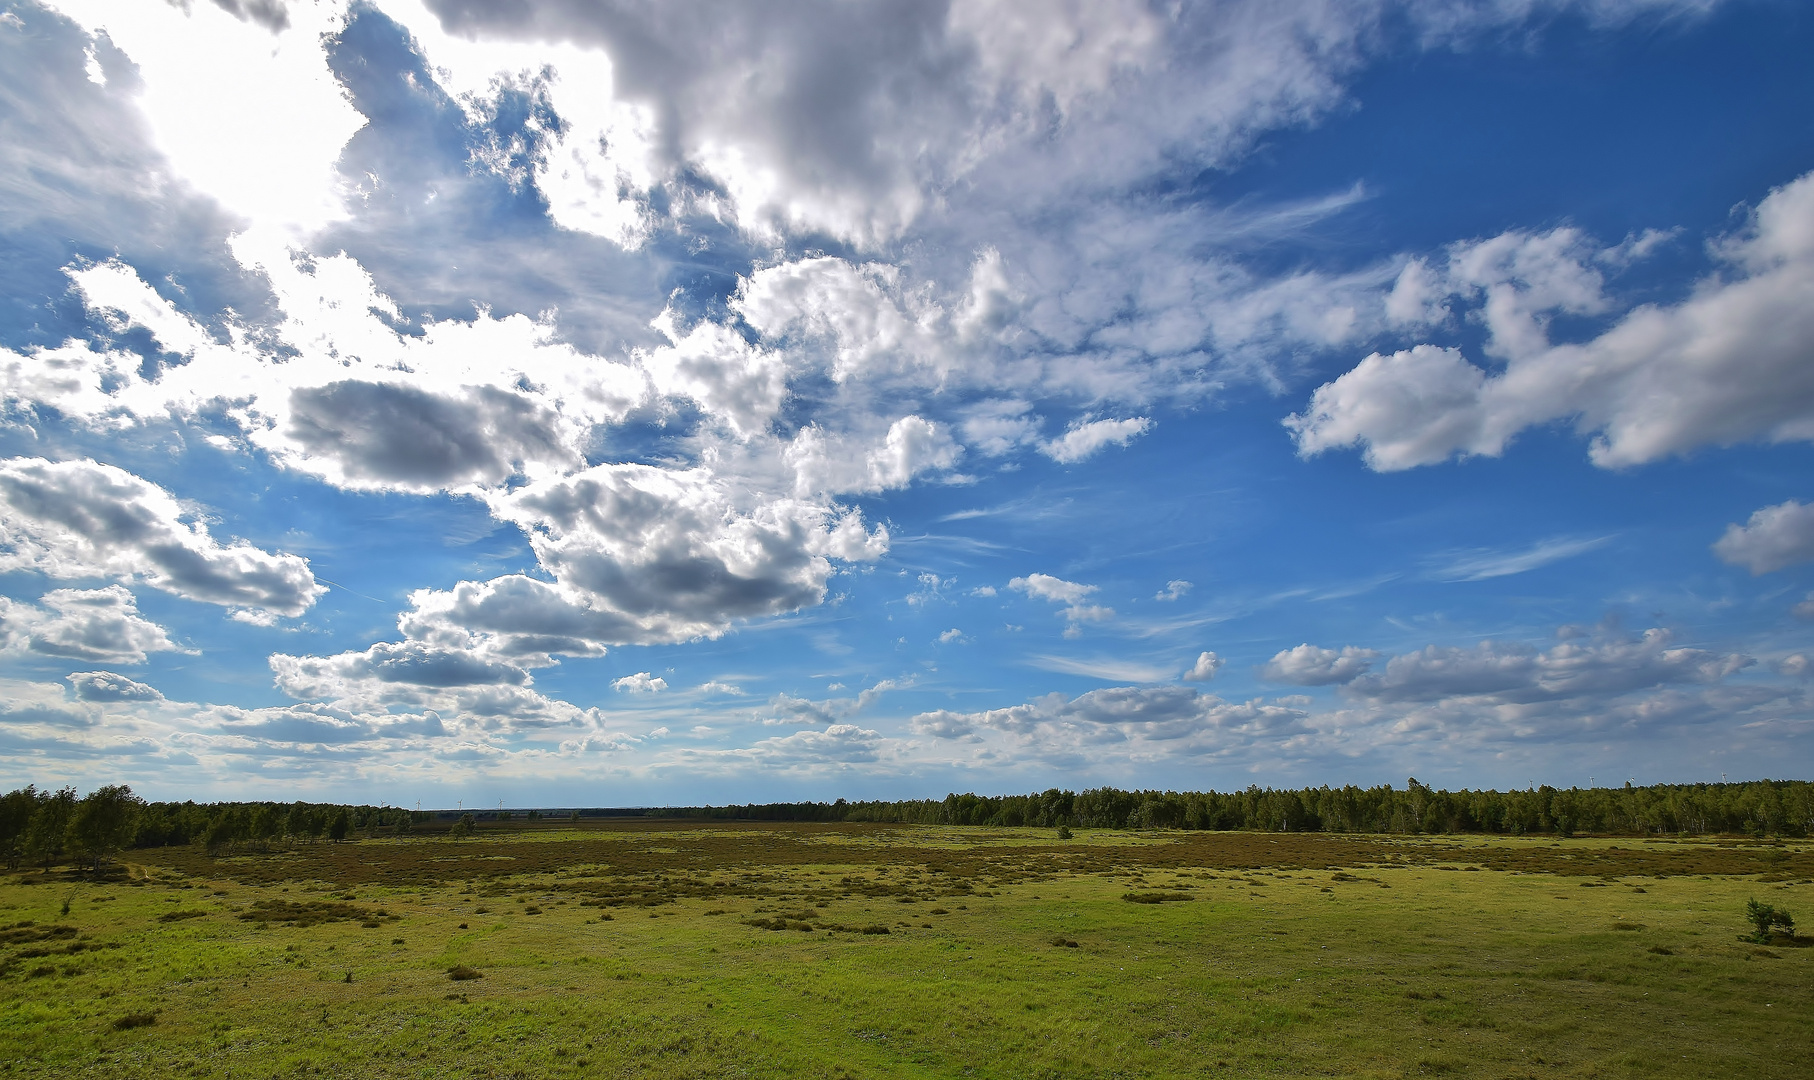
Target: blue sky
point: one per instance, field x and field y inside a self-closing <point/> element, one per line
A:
<point x="676" y="403"/>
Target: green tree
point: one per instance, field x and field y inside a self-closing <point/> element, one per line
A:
<point x="462" y="828"/>
<point x="16" y="809"/>
<point x="337" y="829"/>
<point x="105" y="822"/>
<point x="266" y="824"/>
<point x="49" y="829"/>
<point x="226" y="828"/>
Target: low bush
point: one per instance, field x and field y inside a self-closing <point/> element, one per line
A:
<point x="1766" y="921"/>
<point x="462" y="973"/>
<point x="779" y="924"/>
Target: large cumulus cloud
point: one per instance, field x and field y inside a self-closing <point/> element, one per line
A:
<point x="1728" y="364"/>
<point x="96" y="625"/>
<point x="672" y="554"/>
<point x="1774" y="537"/>
<point x="83" y="519"/>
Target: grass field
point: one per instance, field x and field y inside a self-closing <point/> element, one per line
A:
<point x="660" y="949"/>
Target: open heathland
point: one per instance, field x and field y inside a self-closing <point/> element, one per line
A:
<point x="650" y="948"/>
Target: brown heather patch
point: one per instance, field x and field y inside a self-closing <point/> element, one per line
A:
<point x="649" y="863"/>
<point x="312" y="913"/>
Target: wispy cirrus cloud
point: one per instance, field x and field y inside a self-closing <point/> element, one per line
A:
<point x="1481" y="564"/>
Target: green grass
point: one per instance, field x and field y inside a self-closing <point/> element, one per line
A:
<point x="642" y="950"/>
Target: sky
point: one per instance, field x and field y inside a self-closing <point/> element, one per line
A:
<point x="581" y="402"/>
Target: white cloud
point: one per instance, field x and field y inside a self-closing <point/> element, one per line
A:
<point x="931" y="586"/>
<point x="951" y="635"/>
<point x="1105" y="668"/>
<point x="996" y="428"/>
<point x="1482" y="565"/>
<point x="853" y="321"/>
<point x="445" y="690"/>
<point x="1205" y="668"/>
<point x="715" y="686"/>
<point x="409" y="664"/>
<point x="1775" y="537"/>
<point x="1086" y="437"/>
<point x="738" y="113"/>
<point x="836" y="745"/>
<point x="1515" y="672"/>
<point x="1728" y="364"/>
<point x="516" y="617"/>
<point x="729" y="378"/>
<point x="44" y="707"/>
<point x="829" y="464"/>
<point x="107" y="686"/>
<point x="745" y="99"/>
<point x="1174" y="590"/>
<point x="1069" y="593"/>
<point x="640" y="683"/>
<point x="670" y="552"/>
<point x="83" y="519"/>
<point x="1134" y="724"/>
<point x="1047" y="587"/>
<point x="266" y="80"/>
<point x="1309" y="665"/>
<point x="785" y="708"/>
<point x="333" y="389"/>
<point x="101" y="625"/>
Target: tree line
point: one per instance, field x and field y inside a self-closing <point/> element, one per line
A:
<point x="1760" y="807"/>
<point x="46" y="826"/>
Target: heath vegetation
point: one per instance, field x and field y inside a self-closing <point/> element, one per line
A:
<point x="719" y="945"/>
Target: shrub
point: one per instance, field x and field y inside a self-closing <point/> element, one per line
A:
<point x="779" y="923"/>
<point x="1064" y="832"/>
<point x="1767" y="919"/>
<point x="1154" y="897"/>
<point x="134" y="1020"/>
<point x="462" y="973"/>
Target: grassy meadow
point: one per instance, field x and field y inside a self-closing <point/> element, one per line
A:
<point x="676" y="949"/>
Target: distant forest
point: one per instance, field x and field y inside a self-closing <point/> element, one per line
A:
<point x="45" y="826"/>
